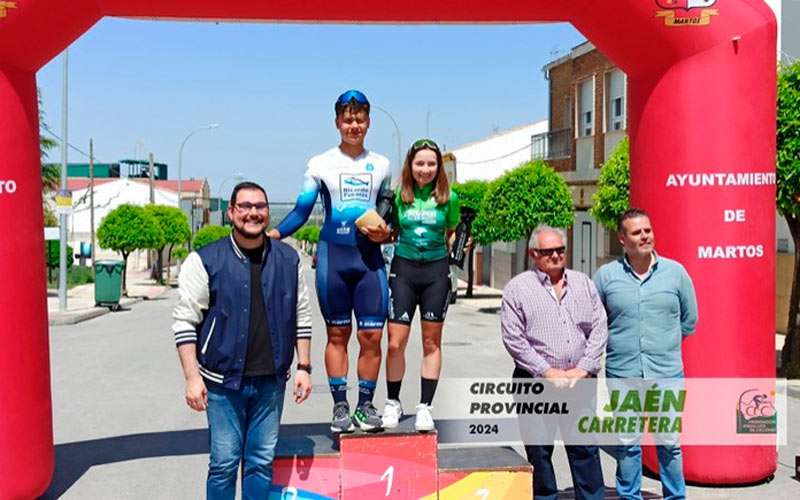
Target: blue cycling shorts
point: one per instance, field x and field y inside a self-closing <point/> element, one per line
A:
<point x="352" y="279"/>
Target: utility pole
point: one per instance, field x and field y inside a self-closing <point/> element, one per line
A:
<point x="152" y="181"/>
<point x="91" y="201"/>
<point x="62" y="254"/>
<point x="151" y="254"/>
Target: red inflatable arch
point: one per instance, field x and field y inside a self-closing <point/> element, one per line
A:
<point x="701" y="104"/>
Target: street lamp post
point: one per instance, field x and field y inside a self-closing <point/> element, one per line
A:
<point x="62" y="223"/>
<point x="397" y="131"/>
<point x="180" y="155"/>
<point x="237" y="176"/>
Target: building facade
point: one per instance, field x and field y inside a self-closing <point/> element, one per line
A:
<point x="588" y="118"/>
<point x="110" y="193"/>
<point x="487" y="159"/>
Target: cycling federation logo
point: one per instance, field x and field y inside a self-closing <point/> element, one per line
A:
<point x="4" y="6"/>
<point x="756" y="412"/>
<point x="686" y="12"/>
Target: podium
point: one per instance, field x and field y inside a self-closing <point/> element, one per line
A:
<point x="400" y="463"/>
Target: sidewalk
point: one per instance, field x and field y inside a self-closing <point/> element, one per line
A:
<point x="484" y="298"/>
<point x="81" y="305"/>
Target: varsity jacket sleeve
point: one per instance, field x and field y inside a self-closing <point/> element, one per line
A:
<point x="303" y="306"/>
<point x="193" y="290"/>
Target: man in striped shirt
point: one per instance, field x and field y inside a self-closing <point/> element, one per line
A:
<point x="554" y="327"/>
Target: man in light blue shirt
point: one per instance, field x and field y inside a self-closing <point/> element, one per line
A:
<point x="651" y="308"/>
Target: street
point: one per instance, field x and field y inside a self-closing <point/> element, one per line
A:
<point x="122" y="429"/>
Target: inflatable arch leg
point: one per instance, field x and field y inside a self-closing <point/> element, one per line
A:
<point x="26" y="435"/>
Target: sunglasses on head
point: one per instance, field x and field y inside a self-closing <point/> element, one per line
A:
<point x="548" y="252"/>
<point x="425" y="143"/>
<point x="352" y="96"/>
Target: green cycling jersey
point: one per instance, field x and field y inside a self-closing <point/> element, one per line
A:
<point x="423" y="224"/>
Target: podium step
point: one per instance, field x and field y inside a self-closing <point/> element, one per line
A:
<point x="307" y="465"/>
<point x="483" y="473"/>
<point x="312" y="464"/>
<point x="391" y="465"/>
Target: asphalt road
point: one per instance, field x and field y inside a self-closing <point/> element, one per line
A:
<point x="122" y="429"/>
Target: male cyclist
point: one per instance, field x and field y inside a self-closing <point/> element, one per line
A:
<point x="351" y="277"/>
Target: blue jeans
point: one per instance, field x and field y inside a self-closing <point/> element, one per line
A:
<point x="243" y="427"/>
<point x="629" y="453"/>
<point x="670" y="471"/>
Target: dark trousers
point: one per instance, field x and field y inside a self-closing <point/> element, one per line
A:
<point x="584" y="463"/>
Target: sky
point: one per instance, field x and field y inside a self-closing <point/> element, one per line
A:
<point x="137" y="87"/>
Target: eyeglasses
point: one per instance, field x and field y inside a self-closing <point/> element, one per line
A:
<point x="548" y="252"/>
<point x="352" y="96"/>
<point x="425" y="143"/>
<point x="246" y="206"/>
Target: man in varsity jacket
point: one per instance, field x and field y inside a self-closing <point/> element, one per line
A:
<point x="242" y="314"/>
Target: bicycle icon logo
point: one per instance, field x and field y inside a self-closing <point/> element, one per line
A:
<point x="756" y="412"/>
<point x="753" y="403"/>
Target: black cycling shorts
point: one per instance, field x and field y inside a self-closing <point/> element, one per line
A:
<point x="423" y="284"/>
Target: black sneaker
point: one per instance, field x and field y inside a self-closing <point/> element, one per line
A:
<point x="341" y="418"/>
<point x="367" y="419"/>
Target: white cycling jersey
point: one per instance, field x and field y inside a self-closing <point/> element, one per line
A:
<point x="349" y="187"/>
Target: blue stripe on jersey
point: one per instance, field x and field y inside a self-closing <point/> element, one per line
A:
<point x="302" y="209"/>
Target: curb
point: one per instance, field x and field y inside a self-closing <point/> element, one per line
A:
<point x="793" y="388"/>
<point x="73" y="318"/>
<point x="60" y="319"/>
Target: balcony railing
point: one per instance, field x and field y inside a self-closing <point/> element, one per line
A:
<point x="552" y="145"/>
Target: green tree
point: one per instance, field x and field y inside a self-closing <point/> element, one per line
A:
<point x="128" y="228"/>
<point x="175" y="229"/>
<point x="788" y="198"/>
<point x="51" y="173"/>
<point x="612" y="197"/>
<point x="180" y="252"/>
<point x="471" y="195"/>
<point x="313" y="234"/>
<point x="209" y="234"/>
<point x="46" y="144"/>
<point x="53" y="257"/>
<point x="523" y="198"/>
<point x="301" y="234"/>
<point x="308" y="236"/>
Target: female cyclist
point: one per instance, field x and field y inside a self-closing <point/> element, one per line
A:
<point x="425" y="214"/>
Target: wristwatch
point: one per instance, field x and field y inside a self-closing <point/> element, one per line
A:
<point x="305" y="368"/>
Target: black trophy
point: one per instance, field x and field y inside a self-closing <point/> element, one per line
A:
<point x="384" y="205"/>
<point x="463" y="230"/>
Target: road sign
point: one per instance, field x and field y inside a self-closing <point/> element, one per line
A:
<point x="51" y="233"/>
<point x="64" y="202"/>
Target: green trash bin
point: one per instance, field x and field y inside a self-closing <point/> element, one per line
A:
<point x="108" y="283"/>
